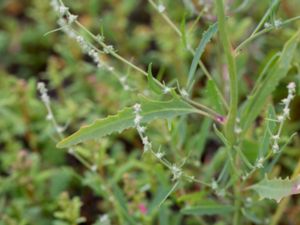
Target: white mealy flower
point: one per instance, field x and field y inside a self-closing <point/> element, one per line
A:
<point x="145" y="141"/>
<point x="123" y="79"/>
<point x="166" y="90"/>
<point x="141" y="129"/>
<point x="214" y="185"/>
<point x="159" y="154"/>
<point x="275" y="147"/>
<point x="259" y="163"/>
<point x="137" y="108"/>
<point x="63" y="10"/>
<point x="267" y="25"/>
<point x="49" y="116"/>
<point x="176" y="172"/>
<point x="184" y="93"/>
<point x="137" y="119"/>
<point x="280" y="118"/>
<point x="72" y="18"/>
<point x="291" y="86"/>
<point x="108" y="49"/>
<point x="94" y="168"/>
<point x="161" y="8"/>
<point x="110" y="68"/>
<point x="277" y="23"/>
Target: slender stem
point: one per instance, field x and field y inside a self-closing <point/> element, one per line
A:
<point x="237" y="205"/>
<point x="258" y="34"/>
<point x="232" y="114"/>
<point x="265" y="17"/>
<point x="192" y="51"/>
<point x="111" y="51"/>
<point x="179" y="33"/>
<point x="198" y="105"/>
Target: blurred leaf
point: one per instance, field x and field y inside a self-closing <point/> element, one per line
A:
<point x="209" y="208"/>
<point x="122" y="203"/>
<point x="152" y="82"/>
<point x="214" y="96"/>
<point x="256" y="101"/>
<point x="207" y="36"/>
<point x="277" y="188"/>
<point x="161" y="197"/>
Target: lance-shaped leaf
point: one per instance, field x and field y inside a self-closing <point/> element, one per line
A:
<point x="277" y="188"/>
<point x="256" y="101"/>
<point x="207" y="36"/>
<point x="125" y="119"/>
<point x="153" y="83"/>
<point x="208" y="208"/>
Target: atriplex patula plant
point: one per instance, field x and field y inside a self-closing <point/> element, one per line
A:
<point x="240" y="171"/>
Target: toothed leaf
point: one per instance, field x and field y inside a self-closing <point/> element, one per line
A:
<point x="125" y="119"/>
<point x="277" y="188"/>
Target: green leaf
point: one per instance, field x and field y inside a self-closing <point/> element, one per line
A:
<point x="152" y="82"/>
<point x="269" y="129"/>
<point x="198" y="141"/>
<point x="277" y="188"/>
<point x="183" y="30"/>
<point x="207" y="36"/>
<point x="214" y="96"/>
<point x="163" y="193"/>
<point x="209" y="208"/>
<point x="151" y="110"/>
<point x="256" y="101"/>
<point x="122" y="204"/>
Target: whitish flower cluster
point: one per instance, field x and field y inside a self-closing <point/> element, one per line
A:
<point x="59" y="130"/>
<point x="237" y="127"/>
<point x="104" y="220"/>
<point x="161" y="8"/>
<point x="277" y="23"/>
<point x="141" y="129"/>
<point x="65" y="21"/>
<point x="46" y="100"/>
<point x="259" y="163"/>
<point x="175" y="170"/>
<point x="285" y="115"/>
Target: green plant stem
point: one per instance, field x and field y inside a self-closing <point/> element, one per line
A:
<point x="258" y="34"/>
<point x="265" y="17"/>
<point x="110" y="51"/>
<point x="237" y="205"/>
<point x="179" y="33"/>
<point x="284" y="203"/>
<point x="192" y="51"/>
<point x="232" y="114"/>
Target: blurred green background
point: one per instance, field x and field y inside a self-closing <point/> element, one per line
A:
<point x="39" y="183"/>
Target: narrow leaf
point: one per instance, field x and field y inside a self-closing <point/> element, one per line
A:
<point x="215" y="96"/>
<point x="207" y="36"/>
<point x="209" y="208"/>
<point x="152" y="82"/>
<point x="183" y="30"/>
<point x="277" y="188"/>
<point x="256" y="101"/>
<point x="151" y="110"/>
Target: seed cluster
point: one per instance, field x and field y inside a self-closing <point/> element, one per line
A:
<point x="285" y="115"/>
<point x="65" y="22"/>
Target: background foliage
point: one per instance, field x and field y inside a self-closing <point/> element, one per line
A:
<point x="41" y="184"/>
